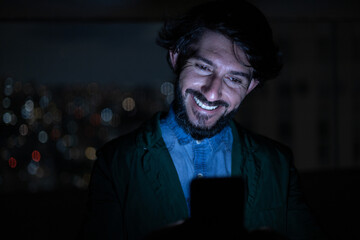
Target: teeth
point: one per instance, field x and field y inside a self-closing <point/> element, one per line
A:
<point x="202" y="105"/>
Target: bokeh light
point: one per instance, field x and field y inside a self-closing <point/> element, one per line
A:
<point x="26" y="114"/>
<point x="43" y="137"/>
<point x="12" y="162"/>
<point x="6" y="102"/>
<point x="167" y="88"/>
<point x="32" y="168"/>
<point x="44" y="102"/>
<point x="23" y="130"/>
<point x="29" y="105"/>
<point x="128" y="104"/>
<point x="106" y="115"/>
<point x="8" y="89"/>
<point x="90" y="153"/>
<point x="36" y="156"/>
<point x="7" y="118"/>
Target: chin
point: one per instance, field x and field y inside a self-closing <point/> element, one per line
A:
<point x="204" y="120"/>
<point x="199" y="126"/>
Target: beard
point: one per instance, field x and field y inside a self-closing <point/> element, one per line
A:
<point x="197" y="132"/>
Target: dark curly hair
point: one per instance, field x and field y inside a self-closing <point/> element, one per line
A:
<point x="239" y="20"/>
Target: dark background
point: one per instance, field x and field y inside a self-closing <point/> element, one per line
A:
<point x="75" y="74"/>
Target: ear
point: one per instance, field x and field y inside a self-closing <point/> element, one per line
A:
<point x="253" y="83"/>
<point x="173" y="58"/>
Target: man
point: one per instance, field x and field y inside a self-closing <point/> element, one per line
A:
<point x="220" y="52"/>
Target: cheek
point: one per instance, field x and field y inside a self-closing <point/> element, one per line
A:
<point x="183" y="81"/>
<point x="182" y="86"/>
<point x="188" y="80"/>
<point x="235" y="97"/>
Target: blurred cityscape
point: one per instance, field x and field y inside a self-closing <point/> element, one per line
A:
<point x="49" y="136"/>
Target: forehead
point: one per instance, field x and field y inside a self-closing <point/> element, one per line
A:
<point x="220" y="47"/>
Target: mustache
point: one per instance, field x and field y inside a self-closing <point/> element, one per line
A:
<point x="203" y="99"/>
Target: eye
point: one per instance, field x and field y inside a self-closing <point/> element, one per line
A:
<point x="235" y="82"/>
<point x="202" y="67"/>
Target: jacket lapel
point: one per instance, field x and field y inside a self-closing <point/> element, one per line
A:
<point x="245" y="164"/>
<point x="161" y="173"/>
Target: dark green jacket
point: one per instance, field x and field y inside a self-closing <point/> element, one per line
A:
<point x="135" y="188"/>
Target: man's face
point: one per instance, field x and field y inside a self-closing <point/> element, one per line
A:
<point x="214" y="81"/>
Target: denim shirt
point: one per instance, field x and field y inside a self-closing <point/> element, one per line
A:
<point x="210" y="157"/>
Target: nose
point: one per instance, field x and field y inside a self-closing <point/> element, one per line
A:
<point x="212" y="88"/>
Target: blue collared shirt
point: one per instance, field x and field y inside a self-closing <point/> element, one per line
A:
<point x="210" y="157"/>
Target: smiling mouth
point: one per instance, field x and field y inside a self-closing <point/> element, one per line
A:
<point x="204" y="106"/>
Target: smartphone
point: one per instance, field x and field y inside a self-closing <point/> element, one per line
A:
<point x="219" y="200"/>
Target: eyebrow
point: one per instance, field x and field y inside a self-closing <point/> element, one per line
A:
<point x="236" y="73"/>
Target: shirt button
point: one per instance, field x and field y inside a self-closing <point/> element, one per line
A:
<point x="200" y="175"/>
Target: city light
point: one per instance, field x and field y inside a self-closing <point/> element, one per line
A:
<point x="44" y="102"/>
<point x="6" y="102"/>
<point x="167" y="88"/>
<point x="8" y="89"/>
<point x="23" y="130"/>
<point x="36" y="156"/>
<point x="12" y="162"/>
<point x="7" y="118"/>
<point x="43" y="137"/>
<point x="32" y="168"/>
<point x="66" y="125"/>
<point x="106" y="115"/>
<point x="90" y="153"/>
<point x="128" y="104"/>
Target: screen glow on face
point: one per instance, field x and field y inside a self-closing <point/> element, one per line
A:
<point x="215" y="80"/>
